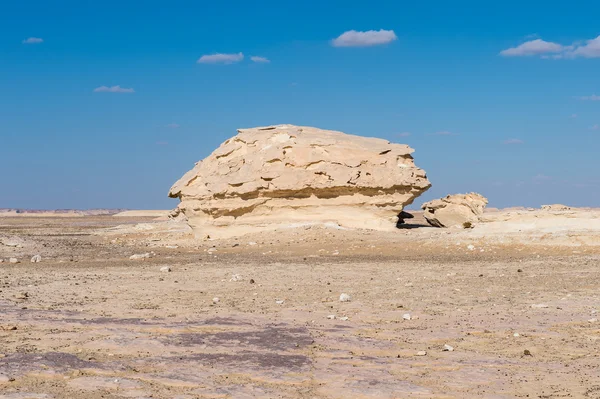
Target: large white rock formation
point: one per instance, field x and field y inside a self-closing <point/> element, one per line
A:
<point x="270" y="177"/>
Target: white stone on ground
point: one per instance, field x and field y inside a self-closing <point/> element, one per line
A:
<point x="345" y="298"/>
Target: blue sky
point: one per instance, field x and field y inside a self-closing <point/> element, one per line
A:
<point x="502" y="98"/>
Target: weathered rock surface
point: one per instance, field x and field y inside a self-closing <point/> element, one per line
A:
<point x="556" y="208"/>
<point x="277" y="176"/>
<point x="455" y="210"/>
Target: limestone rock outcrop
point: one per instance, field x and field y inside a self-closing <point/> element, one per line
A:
<point x="556" y="208"/>
<point x="270" y="177"/>
<point x="454" y="210"/>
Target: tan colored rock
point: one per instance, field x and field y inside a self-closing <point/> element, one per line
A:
<point x="279" y="176"/>
<point x="455" y="210"/>
<point x="556" y="208"/>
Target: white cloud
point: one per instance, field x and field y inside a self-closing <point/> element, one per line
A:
<point x="593" y="97"/>
<point x="573" y="116"/>
<point x="173" y="125"/>
<point x="550" y="50"/>
<point x="532" y="47"/>
<point x="513" y="141"/>
<point x="591" y="49"/>
<point x="113" y="89"/>
<point x="262" y="60"/>
<point x="33" y="40"/>
<point x="220" y="58"/>
<point x="354" y="38"/>
<point x="539" y="178"/>
<point x="595" y="127"/>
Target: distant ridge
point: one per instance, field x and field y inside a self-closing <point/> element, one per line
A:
<point x="58" y="212"/>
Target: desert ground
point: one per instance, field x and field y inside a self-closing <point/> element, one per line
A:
<point x="507" y="309"/>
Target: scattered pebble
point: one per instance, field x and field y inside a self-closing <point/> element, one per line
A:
<point x="165" y="269"/>
<point x="421" y="353"/>
<point x="345" y="298"/>
<point x="516" y="335"/>
<point x="36" y="259"/>
<point x="527" y="352"/>
<point x="448" y="348"/>
<point x="235" y="277"/>
<point x="406" y="316"/>
<point x="593" y="320"/>
<point x="345" y="318"/>
<point x="539" y="306"/>
<point x="331" y="317"/>
<point x="140" y="256"/>
<point x="216" y="300"/>
<point x="279" y="301"/>
<point x="471" y="247"/>
<point x="251" y="281"/>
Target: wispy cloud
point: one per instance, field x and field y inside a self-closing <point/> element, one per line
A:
<point x="162" y="143"/>
<point x="573" y="116"/>
<point x="113" y="89"/>
<point x="591" y="49"/>
<point x="369" y="38"/>
<point x="260" y="60"/>
<point x="584" y="49"/>
<point x="540" y="178"/>
<point x="33" y="40"/>
<point x="442" y="133"/>
<point x="513" y="141"/>
<point x="532" y="47"/>
<point x="173" y="125"/>
<point x="403" y="134"/>
<point x="595" y="127"/>
<point x="593" y="97"/>
<point x="220" y="58"/>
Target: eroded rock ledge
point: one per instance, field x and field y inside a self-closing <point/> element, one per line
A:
<point x="270" y="177"/>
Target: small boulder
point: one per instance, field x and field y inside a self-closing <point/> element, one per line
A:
<point x="14" y="260"/>
<point x="461" y="210"/>
<point x="36" y="259"/>
<point x="165" y="269"/>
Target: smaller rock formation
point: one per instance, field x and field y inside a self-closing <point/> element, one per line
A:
<point x="460" y="210"/>
<point x="556" y="208"/>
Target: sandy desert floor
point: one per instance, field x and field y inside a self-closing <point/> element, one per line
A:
<point x="517" y="305"/>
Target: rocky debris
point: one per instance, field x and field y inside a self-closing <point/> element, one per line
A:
<point x="36" y="259"/>
<point x="165" y="269"/>
<point x="406" y="316"/>
<point x="539" y="306"/>
<point x="14" y="260"/>
<point x="276" y="176"/>
<point x="216" y="300"/>
<point x="236" y="277"/>
<point x="140" y="256"/>
<point x="556" y="208"/>
<point x="13" y="241"/>
<point x="421" y="353"/>
<point x="345" y="298"/>
<point x="460" y="210"/>
<point x="448" y="348"/>
<point x="331" y="317"/>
